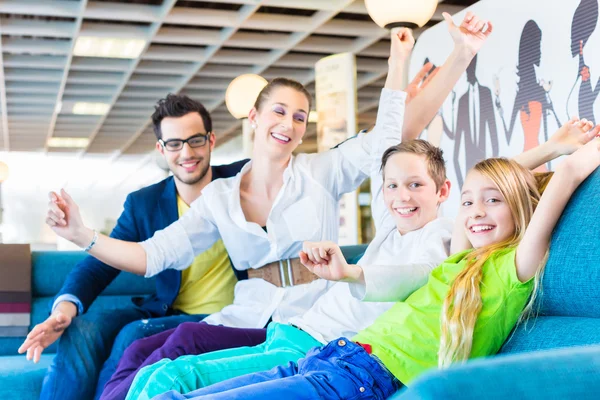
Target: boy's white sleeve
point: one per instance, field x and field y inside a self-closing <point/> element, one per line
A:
<point x="387" y="133"/>
<point x="387" y="283"/>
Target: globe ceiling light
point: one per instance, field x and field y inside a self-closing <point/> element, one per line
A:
<point x="3" y="172"/>
<point x="401" y="13"/>
<point x="242" y="93"/>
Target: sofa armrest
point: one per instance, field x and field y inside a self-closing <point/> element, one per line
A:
<point x="569" y="373"/>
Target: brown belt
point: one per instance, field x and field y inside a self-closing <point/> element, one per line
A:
<point x="284" y="273"/>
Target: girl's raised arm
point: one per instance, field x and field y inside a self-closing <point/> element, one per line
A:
<point x="568" y="176"/>
<point x="567" y="139"/>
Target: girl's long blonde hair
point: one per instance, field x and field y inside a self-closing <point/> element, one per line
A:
<point x="521" y="191"/>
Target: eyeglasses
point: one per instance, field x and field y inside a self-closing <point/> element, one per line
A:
<point x="193" y="141"/>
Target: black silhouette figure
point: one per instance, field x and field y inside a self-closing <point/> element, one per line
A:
<point x="475" y="118"/>
<point x="584" y="23"/>
<point x="532" y="101"/>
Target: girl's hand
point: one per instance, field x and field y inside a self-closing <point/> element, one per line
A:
<point x="572" y="135"/>
<point x="470" y="35"/>
<point x="325" y="259"/>
<point x="65" y="220"/>
<point x="583" y="162"/>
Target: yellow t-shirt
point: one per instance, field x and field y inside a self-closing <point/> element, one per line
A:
<point x="207" y="285"/>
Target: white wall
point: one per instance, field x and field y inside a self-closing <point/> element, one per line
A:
<point x="228" y="152"/>
<point x="96" y="184"/>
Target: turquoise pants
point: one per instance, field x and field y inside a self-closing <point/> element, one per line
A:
<point x="284" y="343"/>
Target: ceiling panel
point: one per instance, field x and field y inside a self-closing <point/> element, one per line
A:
<point x="193" y="47"/>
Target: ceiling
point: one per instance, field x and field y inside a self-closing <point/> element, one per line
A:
<point x="192" y="47"/>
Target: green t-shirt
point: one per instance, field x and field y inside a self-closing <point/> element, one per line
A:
<point x="407" y="337"/>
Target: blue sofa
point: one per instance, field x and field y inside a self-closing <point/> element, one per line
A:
<point x="22" y="379"/>
<point x="557" y="354"/>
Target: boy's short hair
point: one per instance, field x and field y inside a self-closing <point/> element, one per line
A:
<point x="436" y="165"/>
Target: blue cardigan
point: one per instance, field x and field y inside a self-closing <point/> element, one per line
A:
<point x="145" y="211"/>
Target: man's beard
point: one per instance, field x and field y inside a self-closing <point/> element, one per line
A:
<point x="190" y="180"/>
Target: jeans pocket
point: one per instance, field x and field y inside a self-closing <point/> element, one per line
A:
<point x="356" y="373"/>
<point x="374" y="380"/>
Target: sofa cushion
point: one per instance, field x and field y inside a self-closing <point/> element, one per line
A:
<point x="570" y="286"/>
<point x="544" y="333"/>
<point x="22" y="379"/>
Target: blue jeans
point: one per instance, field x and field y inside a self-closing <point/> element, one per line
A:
<point x="86" y="346"/>
<point x="338" y="370"/>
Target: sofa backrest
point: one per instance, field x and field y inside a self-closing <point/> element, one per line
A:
<point x="571" y="282"/>
<point x="49" y="270"/>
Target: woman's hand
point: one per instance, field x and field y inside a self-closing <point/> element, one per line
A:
<point x="471" y="34"/>
<point x="325" y="259"/>
<point x="65" y="220"/>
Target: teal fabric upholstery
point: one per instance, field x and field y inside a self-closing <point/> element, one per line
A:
<point x="22" y="379"/>
<point x="572" y="373"/>
<point x="549" y="332"/>
<point x="570" y="286"/>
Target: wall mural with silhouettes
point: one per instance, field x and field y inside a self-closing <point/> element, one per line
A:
<point x="537" y="70"/>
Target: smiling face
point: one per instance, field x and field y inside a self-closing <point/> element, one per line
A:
<point x="410" y="193"/>
<point x="189" y="165"/>
<point x="280" y="122"/>
<point x="484" y="212"/>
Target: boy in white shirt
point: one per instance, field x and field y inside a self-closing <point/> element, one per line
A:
<point x="410" y="241"/>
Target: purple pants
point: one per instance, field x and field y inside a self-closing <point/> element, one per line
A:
<point x="189" y="338"/>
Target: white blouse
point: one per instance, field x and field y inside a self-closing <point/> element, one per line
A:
<point x="305" y="209"/>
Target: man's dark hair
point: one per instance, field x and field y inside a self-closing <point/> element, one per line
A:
<point x="178" y="105"/>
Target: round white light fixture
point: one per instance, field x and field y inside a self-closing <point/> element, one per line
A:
<point x="242" y="93"/>
<point x="3" y="172"/>
<point x="401" y="13"/>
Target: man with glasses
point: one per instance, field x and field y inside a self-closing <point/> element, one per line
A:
<point x="91" y="343"/>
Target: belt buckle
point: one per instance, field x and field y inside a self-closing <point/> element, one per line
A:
<point x="290" y="280"/>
